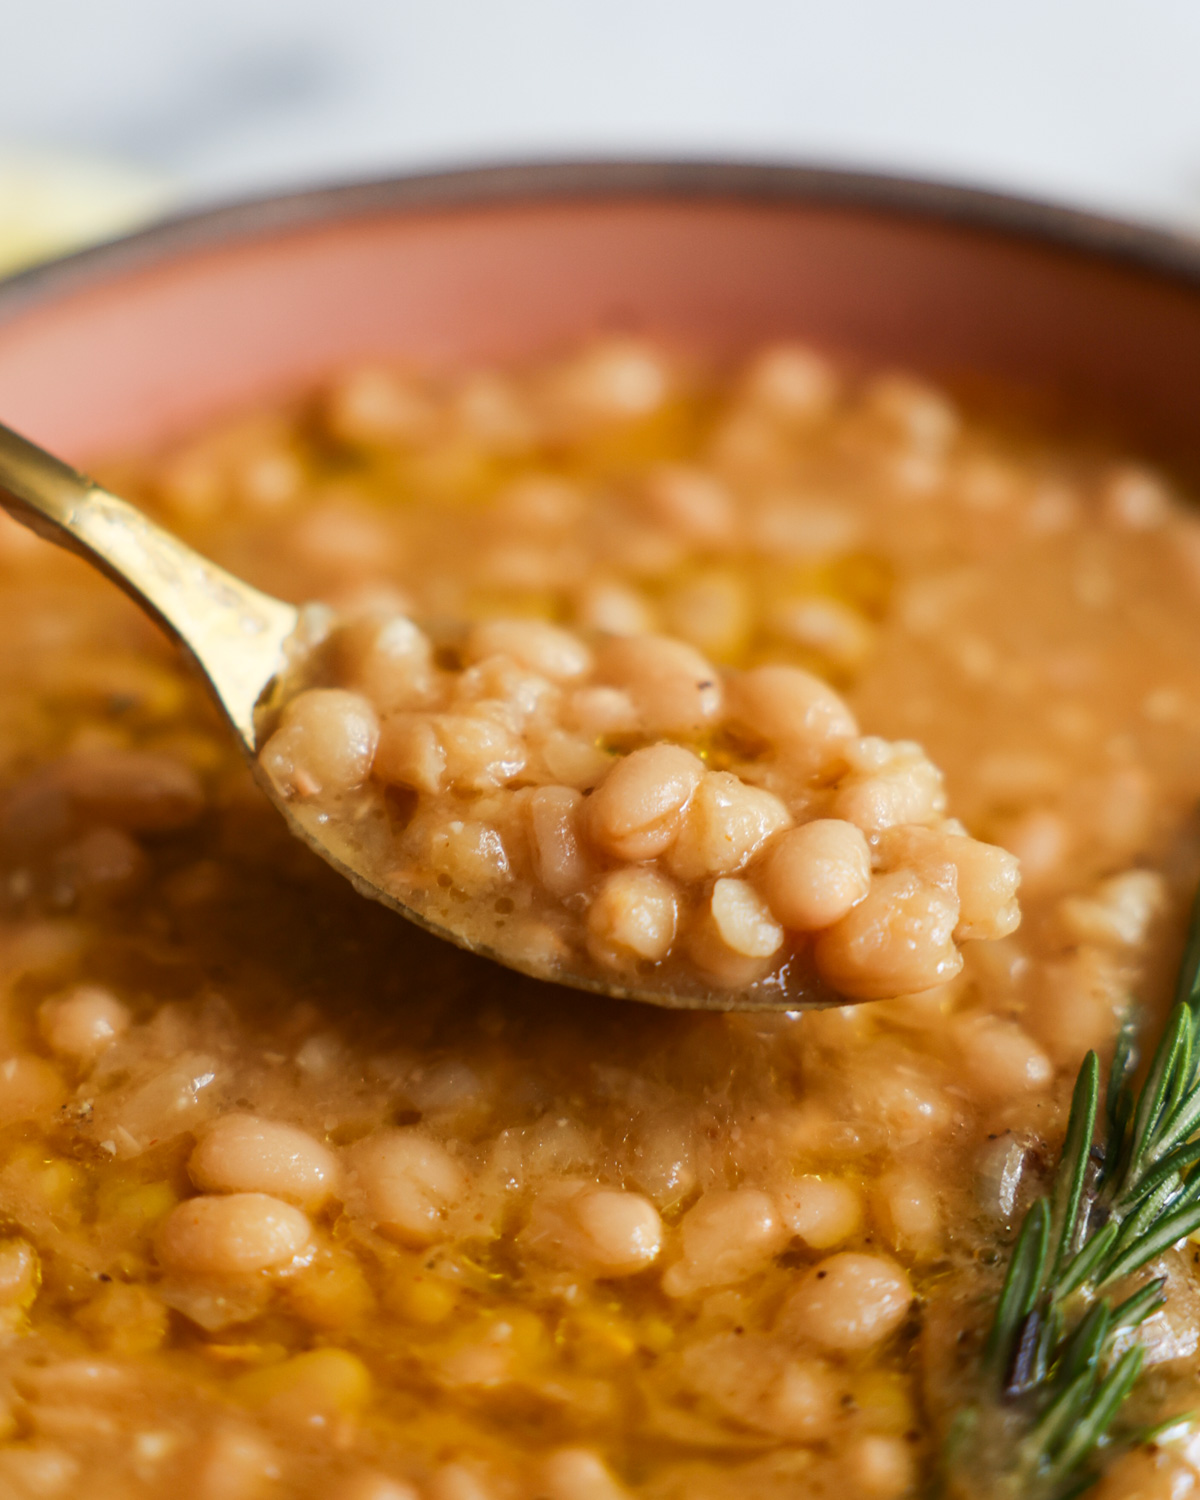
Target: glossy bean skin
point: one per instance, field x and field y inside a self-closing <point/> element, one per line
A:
<point x="407" y="1182"/>
<point x="636" y="811"/>
<point x="240" y="1153"/>
<point x="234" y="1235"/>
<point x="849" y="1302"/>
<point x="325" y="743"/>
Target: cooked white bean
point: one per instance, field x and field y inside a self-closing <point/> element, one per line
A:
<point x="82" y="1022"/>
<point x="727" y="822"/>
<point x="1118" y="914"/>
<point x="325" y="743"/>
<point x="793" y="711"/>
<point x="29" y="1086"/>
<point x="633" y="916"/>
<point x="906" y="1208"/>
<point x="410" y="753"/>
<point x="377" y="406"/>
<point x="407" y="1183"/>
<point x="480" y="753"/>
<point x="578" y="1474"/>
<point x="555" y="653"/>
<point x="823" y="1211"/>
<point x="726" y="1236"/>
<point x="20" y="1272"/>
<point x="471" y="855"/>
<point x="600" y="1230"/>
<point x="881" y="1467"/>
<point x="762" y="1383"/>
<point x="236" y="1463"/>
<point x="905" y="788"/>
<point x="984" y="877"/>
<point x="465" y="752"/>
<point x="848" y="1302"/>
<point x="501" y="689"/>
<point x="998" y="1058"/>
<point x="672" y="687"/>
<point x="243" y="1154"/>
<point x="560" y="862"/>
<point x="636" y="811"/>
<point x="713" y="611"/>
<point x="916" y="413"/>
<point x="898" y="940"/>
<point x="232" y="1236"/>
<point x="614" y="609"/>
<point x="791" y="383"/>
<point x="613" y="380"/>
<point x="813" y="875"/>
<point x="389" y="660"/>
<point x="692" y="502"/>
<point x="833" y="630"/>
<point x="742" y="919"/>
<point x="601" y="711"/>
<point x="574" y="761"/>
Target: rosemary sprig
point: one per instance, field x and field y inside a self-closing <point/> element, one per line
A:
<point x="1127" y="1187"/>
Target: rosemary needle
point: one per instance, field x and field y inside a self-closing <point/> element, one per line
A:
<point x="1127" y="1187"/>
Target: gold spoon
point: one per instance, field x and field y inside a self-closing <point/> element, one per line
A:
<point x="236" y="635"/>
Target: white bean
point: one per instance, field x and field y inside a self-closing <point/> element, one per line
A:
<point x="82" y="1022"/>
<point x="578" y="1474"/>
<point x="232" y="1236"/>
<point x="614" y="380"/>
<point x="674" y="689"/>
<point x="559" y="860"/>
<point x="984" y="877"/>
<point x="325" y="743"/>
<point x="692" y="503"/>
<point x="471" y="855"/>
<point x="543" y="648"/>
<point x="823" y="1211"/>
<point x="726" y="1237"/>
<point x="391" y="661"/>
<point x="848" y="1302"/>
<point x="813" y="875"/>
<point x="726" y="824"/>
<point x="905" y="788"/>
<point x="789" y="709"/>
<point x="407" y="1183"/>
<point x="633" y="916"/>
<point x="20" y="1272"/>
<point x="600" y="1230"/>
<point x="742" y="919"/>
<point x="243" y="1154"/>
<point x="897" y="941"/>
<point x="636" y="811"/>
<point x="791" y="384"/>
<point x="906" y="1208"/>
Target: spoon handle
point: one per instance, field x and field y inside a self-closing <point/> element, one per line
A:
<point x="235" y="633"/>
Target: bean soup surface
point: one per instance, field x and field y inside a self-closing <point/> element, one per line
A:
<point x="297" y="1201"/>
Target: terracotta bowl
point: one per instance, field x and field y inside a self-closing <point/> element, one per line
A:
<point x="123" y="345"/>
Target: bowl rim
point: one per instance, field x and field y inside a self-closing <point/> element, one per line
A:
<point x="1165" y="253"/>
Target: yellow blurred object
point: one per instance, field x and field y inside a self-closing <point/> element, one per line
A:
<point x="50" y="205"/>
<point x="328" y="1380"/>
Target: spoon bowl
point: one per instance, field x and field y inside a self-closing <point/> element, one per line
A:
<point x="238" y="638"/>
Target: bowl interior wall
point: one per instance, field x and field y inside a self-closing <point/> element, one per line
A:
<point x="142" y="350"/>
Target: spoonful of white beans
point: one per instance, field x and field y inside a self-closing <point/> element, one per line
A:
<point x="611" y="813"/>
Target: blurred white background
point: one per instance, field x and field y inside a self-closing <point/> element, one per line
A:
<point x="1095" y="102"/>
